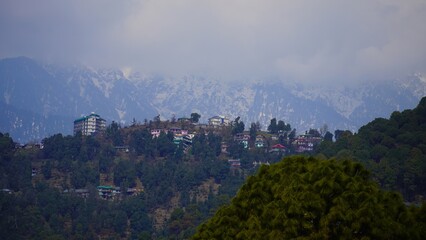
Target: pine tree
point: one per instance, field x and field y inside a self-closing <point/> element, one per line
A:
<point x="312" y="199"/>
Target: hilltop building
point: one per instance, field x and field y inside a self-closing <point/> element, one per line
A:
<point x="89" y="125"/>
<point x="219" y="121"/>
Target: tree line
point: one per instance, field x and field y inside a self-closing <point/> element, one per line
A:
<point x="308" y="198"/>
<point x="393" y="149"/>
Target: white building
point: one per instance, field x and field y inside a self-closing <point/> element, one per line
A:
<point x="89" y="125"/>
<point x="219" y="121"/>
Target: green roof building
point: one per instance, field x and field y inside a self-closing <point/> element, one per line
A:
<point x="89" y="125"/>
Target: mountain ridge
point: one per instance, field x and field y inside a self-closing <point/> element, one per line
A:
<point x="67" y="92"/>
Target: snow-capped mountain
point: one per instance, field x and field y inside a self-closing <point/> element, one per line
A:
<point x="40" y="100"/>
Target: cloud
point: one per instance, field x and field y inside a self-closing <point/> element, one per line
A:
<point x="316" y="42"/>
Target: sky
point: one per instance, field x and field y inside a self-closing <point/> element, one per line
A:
<point x="307" y="41"/>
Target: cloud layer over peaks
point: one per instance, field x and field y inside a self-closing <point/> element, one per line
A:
<point x="319" y="42"/>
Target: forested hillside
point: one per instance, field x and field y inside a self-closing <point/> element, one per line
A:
<point x="307" y="198"/>
<point x="128" y="183"/>
<point x="393" y="149"/>
<point x="124" y="183"/>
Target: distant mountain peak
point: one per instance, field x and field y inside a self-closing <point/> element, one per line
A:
<point x="60" y="94"/>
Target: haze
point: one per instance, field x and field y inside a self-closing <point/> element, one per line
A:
<point x="313" y="42"/>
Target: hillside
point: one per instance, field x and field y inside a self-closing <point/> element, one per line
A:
<point x="122" y="184"/>
<point x="127" y="182"/>
<point x="393" y="149"/>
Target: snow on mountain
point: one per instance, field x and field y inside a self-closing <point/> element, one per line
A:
<point x="39" y="100"/>
<point x="342" y="100"/>
<point x="415" y="84"/>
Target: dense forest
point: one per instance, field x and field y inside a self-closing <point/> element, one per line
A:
<point x="393" y="149"/>
<point x="54" y="191"/>
<point x="307" y="198"/>
<point x="128" y="184"/>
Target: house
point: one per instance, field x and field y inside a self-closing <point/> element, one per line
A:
<point x="235" y="163"/>
<point x="177" y="138"/>
<point x="242" y="138"/>
<point x="111" y="192"/>
<point x="178" y="135"/>
<point x="156" y="132"/>
<point x="178" y="131"/>
<point x="219" y="121"/>
<point x="259" y="144"/>
<point x="175" y="130"/>
<point x="306" y="143"/>
<point x="106" y="192"/>
<point x="187" y="139"/>
<point x="277" y="148"/>
<point x="260" y="141"/>
<point x="32" y="146"/>
<point x="89" y="125"/>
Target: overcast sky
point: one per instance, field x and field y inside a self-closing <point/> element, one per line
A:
<point x="327" y="41"/>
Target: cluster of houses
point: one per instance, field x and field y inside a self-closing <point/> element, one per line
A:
<point x="29" y="146"/>
<point x="179" y="135"/>
<point x="113" y="193"/>
<point x="93" y="123"/>
<point x="305" y="143"/>
<point x="105" y="192"/>
<point x="278" y="143"/>
<point x="302" y="143"/>
<point x="273" y="143"/>
<point x="183" y="135"/>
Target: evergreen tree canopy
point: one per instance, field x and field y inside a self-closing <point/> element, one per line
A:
<point x="195" y="117"/>
<point x="273" y="127"/>
<point x="238" y="126"/>
<point x="307" y="198"/>
<point x="393" y="149"/>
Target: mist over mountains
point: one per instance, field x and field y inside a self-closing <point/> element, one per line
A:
<point x="38" y="100"/>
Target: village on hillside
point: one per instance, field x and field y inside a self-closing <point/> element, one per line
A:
<point x="279" y="140"/>
<point x="276" y="139"/>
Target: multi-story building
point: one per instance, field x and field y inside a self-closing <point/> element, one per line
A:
<point x="89" y="125"/>
<point x="219" y="121"/>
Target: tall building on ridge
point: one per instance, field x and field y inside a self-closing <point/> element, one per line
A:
<point x="89" y="125"/>
<point x="219" y="121"/>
